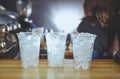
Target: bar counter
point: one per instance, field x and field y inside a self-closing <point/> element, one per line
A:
<point x="100" y="69"/>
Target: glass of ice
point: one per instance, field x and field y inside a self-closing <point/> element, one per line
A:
<point x="56" y="45"/>
<point x="82" y="49"/>
<point x="29" y="44"/>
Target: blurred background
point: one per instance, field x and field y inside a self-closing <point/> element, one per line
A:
<point x="55" y="15"/>
<point x="60" y="15"/>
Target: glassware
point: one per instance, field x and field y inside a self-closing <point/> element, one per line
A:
<point x="82" y="49"/>
<point x="29" y="49"/>
<point x="56" y="45"/>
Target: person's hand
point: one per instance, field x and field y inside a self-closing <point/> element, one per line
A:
<point x="117" y="56"/>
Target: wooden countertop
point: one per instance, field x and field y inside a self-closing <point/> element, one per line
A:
<point x="100" y="69"/>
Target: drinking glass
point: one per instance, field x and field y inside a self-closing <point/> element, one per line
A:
<point x="56" y="45"/>
<point x="29" y="44"/>
<point x="82" y="49"/>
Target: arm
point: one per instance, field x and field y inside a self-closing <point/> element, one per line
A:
<point x="115" y="45"/>
<point x="116" y="51"/>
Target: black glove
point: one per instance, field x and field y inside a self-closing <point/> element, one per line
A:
<point x="117" y="56"/>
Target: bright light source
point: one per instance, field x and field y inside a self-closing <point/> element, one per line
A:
<point x="67" y="20"/>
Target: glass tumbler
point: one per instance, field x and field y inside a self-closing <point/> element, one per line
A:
<point x="56" y="46"/>
<point x="29" y="44"/>
<point x="83" y="44"/>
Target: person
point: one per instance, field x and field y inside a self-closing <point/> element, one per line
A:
<point x="115" y="51"/>
<point x="97" y="15"/>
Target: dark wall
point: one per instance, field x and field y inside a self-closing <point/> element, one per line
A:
<point x="10" y="5"/>
<point x="116" y="6"/>
<point x="44" y="11"/>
